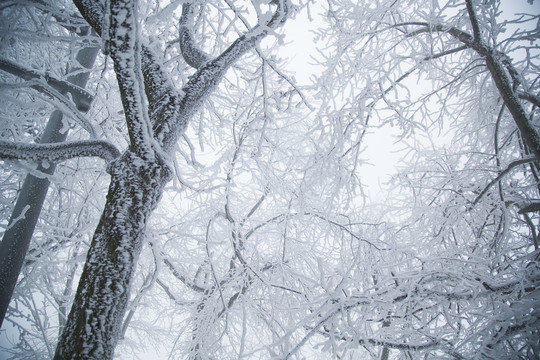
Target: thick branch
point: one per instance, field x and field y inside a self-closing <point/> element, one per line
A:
<point x="125" y="50"/>
<point x="194" y="56"/>
<point x="55" y="152"/>
<point x="528" y="207"/>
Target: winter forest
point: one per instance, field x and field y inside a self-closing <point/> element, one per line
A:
<point x="279" y="179"/>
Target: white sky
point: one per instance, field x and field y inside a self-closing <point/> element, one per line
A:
<point x="381" y="150"/>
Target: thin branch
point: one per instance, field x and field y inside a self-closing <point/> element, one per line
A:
<point x="532" y="229"/>
<point x="80" y="97"/>
<point x="181" y="277"/>
<point x="510" y="166"/>
<point x="66" y="106"/>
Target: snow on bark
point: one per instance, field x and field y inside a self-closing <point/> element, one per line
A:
<point x="193" y="56"/>
<point x="55" y="152"/>
<point x="94" y="323"/>
<point x="125" y="50"/>
<point x="137" y="177"/>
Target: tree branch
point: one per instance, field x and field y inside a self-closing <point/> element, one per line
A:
<point x="55" y="152"/>
<point x="535" y="100"/>
<point x="528" y="207"/>
<point x="80" y="97"/>
<point x="499" y="67"/>
<point x="474" y="21"/>
<point x="191" y="53"/>
<point x="510" y="166"/>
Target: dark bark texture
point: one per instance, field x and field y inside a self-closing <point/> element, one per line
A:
<point x="96" y="316"/>
<point x="16" y="239"/>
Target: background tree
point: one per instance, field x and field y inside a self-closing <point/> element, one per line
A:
<point x="465" y="252"/>
<point x="263" y="244"/>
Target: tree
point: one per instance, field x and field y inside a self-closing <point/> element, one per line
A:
<point x="156" y="115"/>
<point x="263" y="243"/>
<point x="466" y="234"/>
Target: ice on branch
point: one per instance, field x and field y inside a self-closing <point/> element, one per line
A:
<point x="81" y="97"/>
<point x="193" y="56"/>
<point x="58" y="151"/>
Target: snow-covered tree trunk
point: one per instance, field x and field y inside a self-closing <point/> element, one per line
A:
<point x="16" y="239"/>
<point x="140" y="174"/>
<point x="96" y="317"/>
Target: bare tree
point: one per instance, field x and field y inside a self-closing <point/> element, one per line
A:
<point x="156" y="116"/>
<point x="262" y="243"/>
<point x="467" y="231"/>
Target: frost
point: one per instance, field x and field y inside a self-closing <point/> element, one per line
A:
<point x="18" y="218"/>
<point x="267" y="243"/>
<point x="55" y="152"/>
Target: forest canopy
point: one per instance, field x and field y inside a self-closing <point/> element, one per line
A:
<point x="280" y="179"/>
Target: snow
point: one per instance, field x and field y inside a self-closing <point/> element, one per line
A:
<point x="55" y="152"/>
<point x="332" y="273"/>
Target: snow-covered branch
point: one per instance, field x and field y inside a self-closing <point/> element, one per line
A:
<point x="55" y="152"/>
<point x="125" y="50"/>
<point x="80" y="97"/>
<point x="194" y="56"/>
<point x="510" y="166"/>
<point x="535" y="100"/>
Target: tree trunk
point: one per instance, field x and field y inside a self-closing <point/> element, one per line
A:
<point x="16" y="239"/>
<point x="134" y="192"/>
<point x="138" y="177"/>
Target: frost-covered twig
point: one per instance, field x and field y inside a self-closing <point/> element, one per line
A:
<point x="182" y="278"/>
<point x="58" y="151"/>
<point x="510" y="166"/>
<point x="66" y="106"/>
<point x="80" y="97"/>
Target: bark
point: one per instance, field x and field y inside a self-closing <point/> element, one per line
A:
<point x="16" y="239"/>
<point x="95" y="320"/>
<point x="138" y="176"/>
